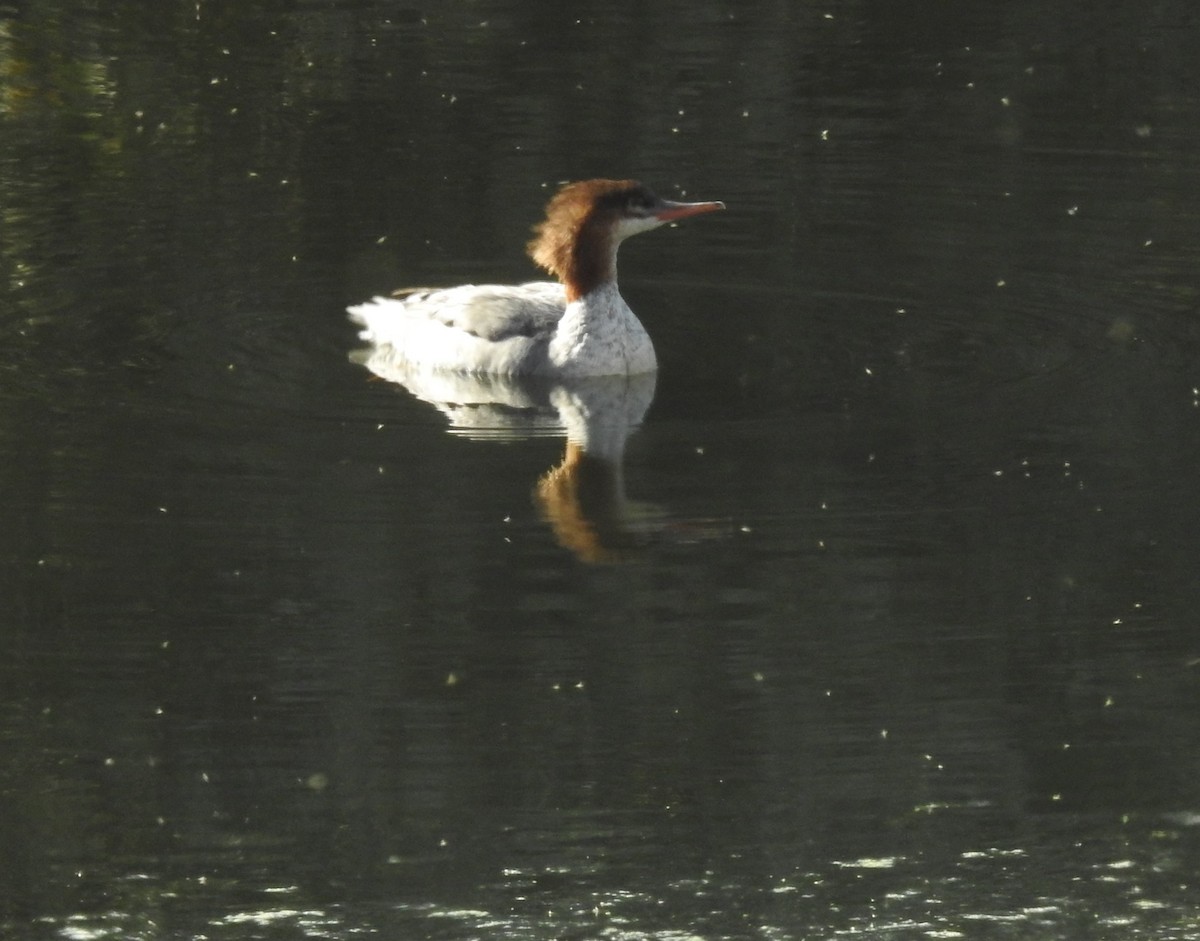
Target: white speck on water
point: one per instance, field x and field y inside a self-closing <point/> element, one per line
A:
<point x="869" y="862"/>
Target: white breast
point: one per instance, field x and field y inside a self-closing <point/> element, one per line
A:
<point x="525" y="329"/>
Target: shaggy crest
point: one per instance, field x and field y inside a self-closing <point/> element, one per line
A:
<point x="575" y="241"/>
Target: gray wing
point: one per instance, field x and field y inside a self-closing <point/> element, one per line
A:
<point x="497" y="312"/>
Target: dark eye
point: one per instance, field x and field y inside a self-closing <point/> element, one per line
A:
<point x="641" y="201"/>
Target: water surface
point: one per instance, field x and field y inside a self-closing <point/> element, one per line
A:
<point x="884" y="622"/>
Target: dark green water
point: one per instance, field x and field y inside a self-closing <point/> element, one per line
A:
<point x="899" y="639"/>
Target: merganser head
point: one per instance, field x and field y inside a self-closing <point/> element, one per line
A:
<point x="585" y="222"/>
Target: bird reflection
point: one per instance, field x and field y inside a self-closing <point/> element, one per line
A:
<point x="582" y="498"/>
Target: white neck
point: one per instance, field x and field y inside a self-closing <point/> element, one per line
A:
<point x="600" y="336"/>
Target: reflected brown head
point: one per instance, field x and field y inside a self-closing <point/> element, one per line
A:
<point x="581" y="499"/>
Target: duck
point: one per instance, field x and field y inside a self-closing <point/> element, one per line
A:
<point x="576" y="326"/>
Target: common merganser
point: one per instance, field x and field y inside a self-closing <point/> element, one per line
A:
<point x="577" y="326"/>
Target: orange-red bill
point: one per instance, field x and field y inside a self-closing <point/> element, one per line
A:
<point x="671" y="211"/>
